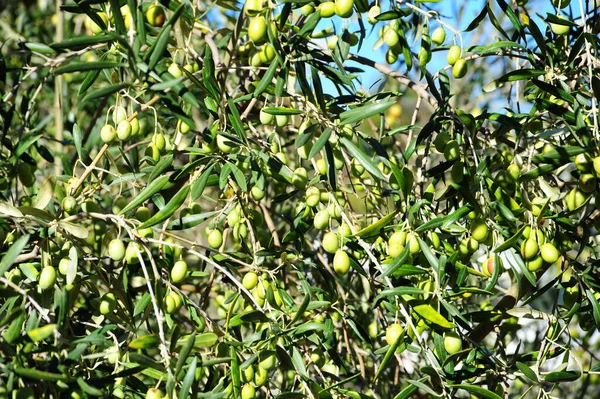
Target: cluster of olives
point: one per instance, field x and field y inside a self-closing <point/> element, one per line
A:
<point x="155" y="16"/>
<point x="125" y="127"/>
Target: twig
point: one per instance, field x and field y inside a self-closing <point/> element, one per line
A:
<point x="43" y="312"/>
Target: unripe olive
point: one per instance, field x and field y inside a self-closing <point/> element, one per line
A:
<point x="175" y="70"/>
<point x="307" y="9"/>
<point x="155" y="15"/>
<point x="116" y="250"/>
<point x="313" y="196"/>
<point x="454" y="54"/>
<point x="391" y="37"/>
<point x="253" y="7"/>
<point x="108" y="303"/>
<point x="300" y="178"/>
<point x="69" y="204"/>
<point x="560" y="29"/>
<point x="341" y="262"/>
<point x="261" y="376"/>
<point x="343" y="8"/>
<point x="549" y="253"/>
<point x="451" y="150"/>
<point x="373" y="13"/>
<point x="154" y="393"/>
<point x="267" y="361"/>
<point x="179" y="271"/>
<point x="124" y="130"/>
<point x="281" y="120"/>
<point x="108" y="134"/>
<point x="575" y="199"/>
<point x="330" y="242"/>
<point x="131" y="256"/>
<point x="459" y="70"/>
<point x="265" y="118"/>
<point x="438" y="36"/>
<point x="392" y="333"/>
<point x="224" y="144"/>
<point x="529" y="248"/>
<point x="479" y="230"/>
<point x="215" y="239"/>
<point x="321" y="221"/>
<point x="452" y="343"/>
<point x="250" y="280"/>
<point x="327" y="9"/>
<point x="257" y="193"/>
<point x="396" y="243"/>
<point x="142" y="214"/>
<point x="248" y="392"/>
<point x="47" y="277"/>
<point x="534" y="264"/>
<point x="119" y="114"/>
<point x="257" y="29"/>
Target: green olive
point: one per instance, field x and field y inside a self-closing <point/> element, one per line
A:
<point x="47" y="277"/>
<point x="124" y="130"/>
<point x="343" y="8"/>
<point x="69" y="204"/>
<point x="108" y="134"/>
<point x="215" y="239"/>
<point x="460" y="68"/>
<point x="257" y="29"/>
<point x="116" y="250"/>
<point x="549" y="253"/>
<point x="250" y="280"/>
<point x="155" y="15"/>
<point x="327" y="9"/>
<point x="330" y="242"/>
<point x="452" y="343"/>
<point x="529" y="248"/>
<point x="341" y="262"/>
<point x="248" y="392"/>
<point x="479" y="230"/>
<point x="392" y="333"/>
<point x="438" y="36"/>
<point x="322" y="218"/>
<point x="454" y="54"/>
<point x="179" y="271"/>
<point x="108" y="303"/>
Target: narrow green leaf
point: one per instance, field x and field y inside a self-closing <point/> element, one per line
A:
<point x="362" y="158"/>
<point x="430" y="314"/>
<point x="87" y="66"/>
<point x="41" y="333"/>
<point x="363" y="112"/>
<point x="267" y="78"/>
<point x="389" y="354"/>
<point x="184" y="392"/>
<point x="187" y="222"/>
<point x="89" y="389"/>
<point x="375" y="228"/>
<point x="12" y="253"/>
<point x="561" y="376"/>
<point x="199" y="185"/>
<point x="151" y="189"/>
<point x="39" y="375"/>
<point x="170" y="208"/>
<point x="320" y="143"/>
<point x="480" y="392"/>
<point x="527" y="371"/>
<point x="104" y="92"/>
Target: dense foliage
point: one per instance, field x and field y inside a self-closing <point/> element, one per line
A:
<point x="205" y="199"/>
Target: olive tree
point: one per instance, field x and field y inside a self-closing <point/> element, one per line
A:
<point x="207" y="199"/>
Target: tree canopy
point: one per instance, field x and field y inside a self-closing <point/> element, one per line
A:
<point x="212" y="199"/>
